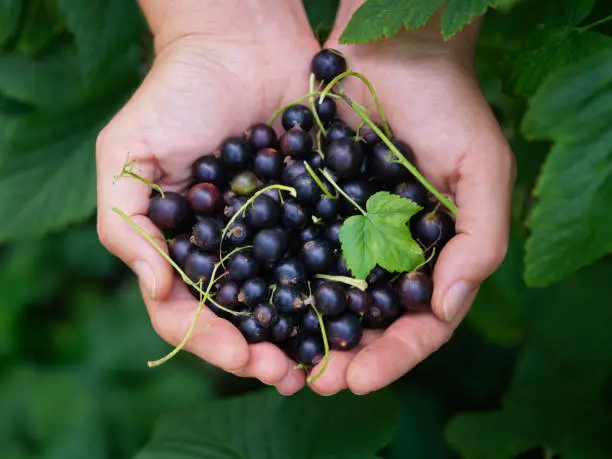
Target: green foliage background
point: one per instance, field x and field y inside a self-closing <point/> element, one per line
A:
<point x="527" y="375"/>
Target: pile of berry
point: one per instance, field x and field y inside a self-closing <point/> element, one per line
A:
<point x="262" y="200"/>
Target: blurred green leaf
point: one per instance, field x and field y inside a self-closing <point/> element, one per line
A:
<point x="266" y="425"/>
<point x="43" y="23"/>
<point x="321" y="15"/>
<point x="103" y="29"/>
<point x="84" y="255"/>
<point x="10" y="10"/>
<point x="570" y="227"/>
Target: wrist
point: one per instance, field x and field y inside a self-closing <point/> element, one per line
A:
<point x="170" y="20"/>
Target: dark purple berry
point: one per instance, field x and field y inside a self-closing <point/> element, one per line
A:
<point x="384" y="163"/>
<point x="332" y="234"/>
<point x="315" y="160"/>
<point x="204" y="199"/>
<point x="263" y="212"/>
<point x="385" y="308"/>
<point x="227" y="294"/>
<point x="330" y="298"/>
<point x="268" y="164"/>
<point x="252" y="331"/>
<point x="234" y="206"/>
<point x="179" y="249"/>
<point x="292" y="171"/>
<point x="413" y="191"/>
<point x="432" y="228"/>
<point x="265" y="314"/>
<point x="327" y="208"/>
<point x="209" y="169"/>
<point x="270" y="244"/>
<point x="290" y="271"/>
<point x="199" y="266"/>
<point x="288" y="299"/>
<point x="262" y="136"/>
<point x="358" y="301"/>
<point x="242" y="266"/>
<point x="236" y="153"/>
<point x="253" y="291"/>
<point x="339" y="130"/>
<point x="307" y="189"/>
<point x="309" y="233"/>
<point x="378" y="275"/>
<point x="358" y="190"/>
<point x="326" y="109"/>
<point x="283" y="329"/>
<point x="344" y="332"/>
<point x="344" y="158"/>
<point x="296" y="142"/>
<point x="170" y="213"/>
<point x="309" y="322"/>
<point x="294" y="215"/>
<point x="414" y="291"/>
<point x="238" y="234"/>
<point x="297" y="115"/>
<point x="328" y="64"/>
<point x="206" y="234"/>
<point x="310" y="350"/>
<point x="317" y="256"/>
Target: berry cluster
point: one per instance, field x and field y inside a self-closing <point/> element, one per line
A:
<point x="267" y="211"/>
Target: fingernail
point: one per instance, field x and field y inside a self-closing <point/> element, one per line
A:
<point x="454" y="300"/>
<point x="146" y="277"/>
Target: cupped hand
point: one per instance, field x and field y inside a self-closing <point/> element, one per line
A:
<point x="202" y="88"/>
<point x="432" y="101"/>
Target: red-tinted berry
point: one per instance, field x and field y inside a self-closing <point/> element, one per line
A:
<point x="296" y="142"/>
<point x="414" y="291"/>
<point x="204" y="199"/>
<point x="170" y="213"/>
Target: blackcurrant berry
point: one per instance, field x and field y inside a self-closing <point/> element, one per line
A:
<point x="431" y="228"/>
<point x="234" y="207"/>
<point x="309" y="233"/>
<point x="307" y="190"/>
<point x="238" y="234"/>
<point x="309" y="322"/>
<point x="170" y="213"/>
<point x="275" y="194"/>
<point x="339" y="130"/>
<point x="179" y="249"/>
<point x="326" y="109"/>
<point x="369" y="136"/>
<point x="341" y="268"/>
<point x="200" y="265"/>
<point x="378" y="275"/>
<point x="358" y="190"/>
<point x="315" y="160"/>
<point x="290" y="271"/>
<point x="284" y="329"/>
<point x="252" y="331"/>
<point x="296" y="142"/>
<point x="385" y="308"/>
<point x="328" y="64"/>
<point x="344" y="158"/>
<point x="227" y="294"/>
<point x="242" y="266"/>
<point x="244" y="183"/>
<point x="204" y="199"/>
<point x="294" y="215"/>
<point x="265" y="314"/>
<point x="270" y="244"/>
<point x="288" y="299"/>
<point x="415" y="192"/>
<point x="326" y="208"/>
<point x="343" y="332"/>
<point x="236" y="153"/>
<point x="297" y="115"/>
<point x="263" y="212"/>
<point x="262" y="136"/>
<point x="292" y="171"/>
<point x="414" y="291"/>
<point x="268" y="164"/>
<point x="317" y="256"/>
<point x="358" y="301"/>
<point x="206" y="234"/>
<point x="332" y="234"/>
<point x="330" y="298"/>
<point x="384" y="162"/>
<point x="208" y="169"/>
<point x="253" y="291"/>
<point x="310" y="350"/>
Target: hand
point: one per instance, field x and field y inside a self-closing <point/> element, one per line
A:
<point x="431" y="99"/>
<point x="230" y="66"/>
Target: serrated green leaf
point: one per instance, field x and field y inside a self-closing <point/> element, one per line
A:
<point x="569" y="224"/>
<point x="459" y="13"/>
<point x="10" y="10"/>
<point x="266" y="425"/>
<point x="381" y="237"/>
<point x="376" y="19"/>
<point x="103" y="29"/>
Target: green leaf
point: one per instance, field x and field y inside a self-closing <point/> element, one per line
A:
<point x="103" y="29"/>
<point x="459" y="13"/>
<point x="570" y="224"/>
<point x="381" y="237"/>
<point x="10" y="10"/>
<point x="376" y="19"/>
<point x="321" y="15"/>
<point x="266" y="425"/>
<point x="43" y="23"/>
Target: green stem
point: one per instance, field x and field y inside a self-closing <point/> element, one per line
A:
<point x="330" y="85"/>
<point x="358" y="283"/>
<point x="128" y="171"/>
<point x="404" y="162"/>
<point x="325" y="347"/>
<point x="250" y="201"/>
<point x="314" y="109"/>
<point x="594" y="24"/>
<point x="318" y="181"/>
<point x="297" y="101"/>
<point x="348" y="198"/>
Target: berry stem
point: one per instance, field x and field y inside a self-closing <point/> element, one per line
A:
<point x="250" y="201"/>
<point x="297" y="101"/>
<point x="128" y="171"/>
<point x="335" y="185"/>
<point x="381" y="114"/>
<point x="358" y="283"/>
<point x="595" y="24"/>
<point x="318" y="181"/>
<point x="403" y="161"/>
<point x="313" y="108"/>
<point x="325" y="346"/>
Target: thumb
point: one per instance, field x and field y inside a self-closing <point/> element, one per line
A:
<point x="485" y="177"/>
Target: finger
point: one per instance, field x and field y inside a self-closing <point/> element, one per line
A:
<point x="266" y="363"/>
<point x="131" y="197"/>
<point x="333" y="378"/>
<point x="293" y="381"/>
<point x="484" y="181"/>
<point x="213" y="339"/>
<point x="404" y="344"/>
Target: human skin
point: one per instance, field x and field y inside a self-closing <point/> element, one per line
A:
<point x="222" y="66"/>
